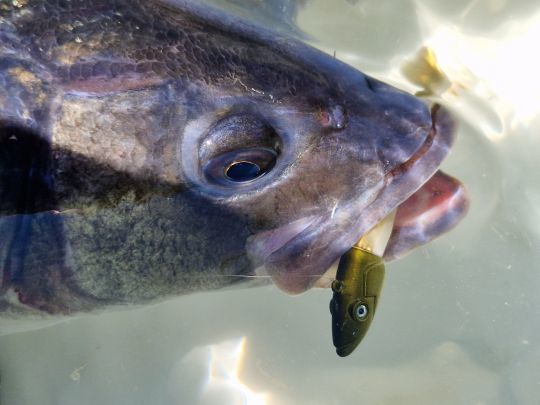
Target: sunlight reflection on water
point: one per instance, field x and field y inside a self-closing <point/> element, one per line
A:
<point x="221" y="364"/>
<point x="498" y="69"/>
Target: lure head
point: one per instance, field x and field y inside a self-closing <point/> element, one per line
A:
<point x="356" y="294"/>
<point x="351" y="319"/>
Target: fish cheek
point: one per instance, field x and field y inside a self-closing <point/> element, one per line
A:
<point x="326" y="177"/>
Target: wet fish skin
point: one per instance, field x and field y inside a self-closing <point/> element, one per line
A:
<point x="132" y="102"/>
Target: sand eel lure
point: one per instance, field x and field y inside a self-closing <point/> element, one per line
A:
<point x="357" y="287"/>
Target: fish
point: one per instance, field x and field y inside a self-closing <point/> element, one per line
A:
<point x="154" y="148"/>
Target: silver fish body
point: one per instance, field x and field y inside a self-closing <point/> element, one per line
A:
<point x="152" y="148"/>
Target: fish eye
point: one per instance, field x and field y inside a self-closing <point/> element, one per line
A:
<point x="240" y="166"/>
<point x="359" y="311"/>
<point x="238" y="150"/>
<point x="243" y="171"/>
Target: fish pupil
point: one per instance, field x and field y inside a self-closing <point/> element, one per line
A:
<point x="242" y="171"/>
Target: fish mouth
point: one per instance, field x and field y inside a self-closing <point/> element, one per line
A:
<point x="298" y="255"/>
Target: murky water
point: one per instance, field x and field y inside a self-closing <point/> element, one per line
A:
<point x="459" y="322"/>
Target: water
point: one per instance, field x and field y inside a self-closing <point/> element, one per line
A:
<point x="459" y="322"/>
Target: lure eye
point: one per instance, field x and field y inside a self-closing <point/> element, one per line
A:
<point x="360" y="311"/>
<point x="243" y="171"/>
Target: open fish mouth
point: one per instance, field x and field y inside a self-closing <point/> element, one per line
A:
<point x="298" y="255"/>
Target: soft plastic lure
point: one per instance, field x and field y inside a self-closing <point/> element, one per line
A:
<point x="357" y="288"/>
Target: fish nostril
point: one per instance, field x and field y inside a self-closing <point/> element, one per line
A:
<point x="339" y="117"/>
<point x="335" y="117"/>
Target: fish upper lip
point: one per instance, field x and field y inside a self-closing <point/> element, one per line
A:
<point x="423" y="149"/>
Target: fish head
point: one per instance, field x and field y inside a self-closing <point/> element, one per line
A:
<point x="327" y="160"/>
<point x="351" y="319"/>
